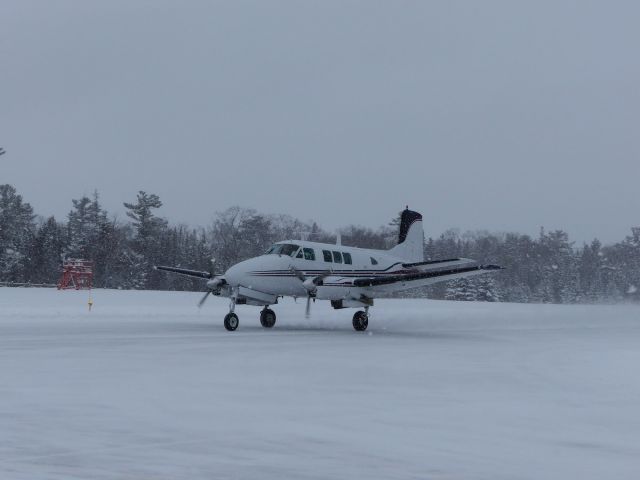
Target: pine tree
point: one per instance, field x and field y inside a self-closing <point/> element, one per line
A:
<point x="86" y="221"/>
<point x="460" y="289"/>
<point x="17" y="231"/>
<point x="146" y="245"/>
<point x="590" y="288"/>
<point x="48" y="251"/>
<point x="631" y="281"/>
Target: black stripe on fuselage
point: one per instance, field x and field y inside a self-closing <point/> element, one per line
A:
<point x="334" y="273"/>
<point x="410" y="266"/>
<point x="349" y="273"/>
<point x="378" y="278"/>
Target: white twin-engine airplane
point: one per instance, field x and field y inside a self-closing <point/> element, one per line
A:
<point x="346" y="276"/>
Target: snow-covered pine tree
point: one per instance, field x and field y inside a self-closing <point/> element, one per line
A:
<point x="85" y="222"/>
<point x="48" y="250"/>
<point x="460" y="289"/>
<point x="147" y="240"/>
<point x="17" y="231"/>
<point x="589" y="268"/>
<point x="559" y="274"/>
<point x="632" y="280"/>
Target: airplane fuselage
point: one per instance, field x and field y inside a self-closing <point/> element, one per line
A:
<point x="273" y="273"/>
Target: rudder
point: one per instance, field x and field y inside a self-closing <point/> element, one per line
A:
<point x="410" y="238"/>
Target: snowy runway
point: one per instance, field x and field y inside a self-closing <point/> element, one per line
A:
<point x="147" y="387"/>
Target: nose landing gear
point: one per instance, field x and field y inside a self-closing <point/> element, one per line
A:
<point x="231" y="320"/>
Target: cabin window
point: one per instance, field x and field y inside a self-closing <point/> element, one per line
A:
<point x="347" y="258"/>
<point x="327" y="255"/>
<point x="337" y="257"/>
<point x="288" y="249"/>
<point x="309" y="254"/>
<point x="299" y="255"/>
<point x="373" y="261"/>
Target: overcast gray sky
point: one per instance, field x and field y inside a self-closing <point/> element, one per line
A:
<point x="480" y="114"/>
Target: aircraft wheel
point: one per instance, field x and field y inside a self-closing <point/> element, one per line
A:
<point x="231" y="321"/>
<point x="360" y="321"/>
<point x="267" y="318"/>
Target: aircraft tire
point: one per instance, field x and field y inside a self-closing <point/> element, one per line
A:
<point x="267" y="318"/>
<point x="231" y="321"/>
<point x="360" y="321"/>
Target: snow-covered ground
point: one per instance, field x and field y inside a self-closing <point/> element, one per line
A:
<point x="147" y="387"/>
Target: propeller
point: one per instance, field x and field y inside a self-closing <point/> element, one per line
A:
<point x="204" y="299"/>
<point x="310" y="284"/>
<point x="212" y="284"/>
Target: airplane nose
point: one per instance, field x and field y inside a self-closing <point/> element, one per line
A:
<point x="232" y="275"/>
<point x="235" y="273"/>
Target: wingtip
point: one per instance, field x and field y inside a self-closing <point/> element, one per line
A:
<point x="492" y="267"/>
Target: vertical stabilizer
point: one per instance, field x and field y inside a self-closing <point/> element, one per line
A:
<point x="410" y="238"/>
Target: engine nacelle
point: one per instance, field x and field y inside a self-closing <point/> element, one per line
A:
<point x="216" y="283"/>
<point x="309" y="285"/>
<point x="333" y="292"/>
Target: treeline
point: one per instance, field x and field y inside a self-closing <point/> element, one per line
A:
<point x="548" y="268"/>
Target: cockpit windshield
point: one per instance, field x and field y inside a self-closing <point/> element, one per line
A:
<point x="283" y="249"/>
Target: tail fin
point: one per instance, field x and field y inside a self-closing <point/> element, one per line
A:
<point x="410" y="238"/>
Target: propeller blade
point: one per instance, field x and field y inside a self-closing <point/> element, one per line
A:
<point x="298" y="274"/>
<point x="204" y="299"/>
<point x="310" y="284"/>
<point x="318" y="280"/>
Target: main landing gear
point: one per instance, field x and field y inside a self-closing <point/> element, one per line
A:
<point x="361" y="320"/>
<point x="267" y="318"/>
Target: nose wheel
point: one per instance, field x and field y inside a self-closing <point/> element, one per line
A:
<point x="267" y="318"/>
<point x="231" y="321"/>
<point x="360" y="321"/>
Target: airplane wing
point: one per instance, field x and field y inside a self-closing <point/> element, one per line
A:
<point x="185" y="271"/>
<point x="425" y="276"/>
<point x="356" y="291"/>
<point x="414" y="275"/>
